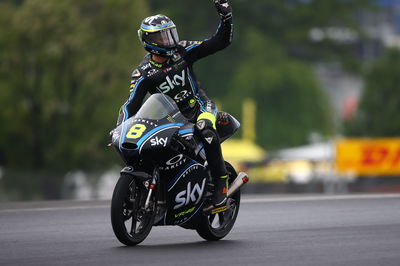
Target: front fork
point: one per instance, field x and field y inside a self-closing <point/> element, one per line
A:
<point x="152" y="187"/>
<point x="156" y="186"/>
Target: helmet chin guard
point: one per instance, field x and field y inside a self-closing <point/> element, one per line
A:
<point x="158" y="35"/>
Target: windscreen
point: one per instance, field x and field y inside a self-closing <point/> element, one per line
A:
<point x="159" y="106"/>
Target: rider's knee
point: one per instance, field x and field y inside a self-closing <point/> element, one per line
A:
<point x="208" y="135"/>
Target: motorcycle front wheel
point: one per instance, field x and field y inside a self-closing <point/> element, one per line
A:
<point x="130" y="222"/>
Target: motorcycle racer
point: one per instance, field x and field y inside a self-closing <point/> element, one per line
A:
<point x="168" y="69"/>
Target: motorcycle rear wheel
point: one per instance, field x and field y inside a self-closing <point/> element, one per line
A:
<point x="217" y="226"/>
<point x="130" y="223"/>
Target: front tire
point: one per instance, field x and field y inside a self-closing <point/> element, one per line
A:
<point x="130" y="222"/>
<point x="216" y="226"/>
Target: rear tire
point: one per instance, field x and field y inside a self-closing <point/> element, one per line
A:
<point x="217" y="226"/>
<point x="130" y="223"/>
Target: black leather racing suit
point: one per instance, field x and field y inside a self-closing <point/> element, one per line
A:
<point x="177" y="79"/>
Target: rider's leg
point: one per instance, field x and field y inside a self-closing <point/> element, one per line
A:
<point x="215" y="160"/>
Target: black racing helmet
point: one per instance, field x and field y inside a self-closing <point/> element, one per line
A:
<point x="158" y="35"/>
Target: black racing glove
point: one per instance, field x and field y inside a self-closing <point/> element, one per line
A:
<point x="223" y="118"/>
<point x="224" y="9"/>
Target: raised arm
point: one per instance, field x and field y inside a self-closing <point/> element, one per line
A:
<point x="220" y="40"/>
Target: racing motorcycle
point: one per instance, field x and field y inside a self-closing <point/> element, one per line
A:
<point x="166" y="180"/>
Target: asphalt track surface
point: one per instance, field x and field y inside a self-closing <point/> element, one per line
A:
<point x="270" y="230"/>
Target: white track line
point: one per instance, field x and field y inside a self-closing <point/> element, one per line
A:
<point x="56" y="208"/>
<point x="245" y="199"/>
<point x="270" y="198"/>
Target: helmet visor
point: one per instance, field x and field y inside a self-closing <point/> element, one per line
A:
<point x="167" y="38"/>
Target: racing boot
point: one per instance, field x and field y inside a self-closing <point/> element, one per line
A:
<point x="220" y="191"/>
<point x="219" y="196"/>
<point x="218" y="200"/>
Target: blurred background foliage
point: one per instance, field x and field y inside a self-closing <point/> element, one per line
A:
<point x="270" y="61"/>
<point x="380" y="102"/>
<point x="63" y="75"/>
<point x="65" y="68"/>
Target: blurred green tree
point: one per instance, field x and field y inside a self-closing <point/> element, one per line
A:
<point x="64" y="72"/>
<point x="290" y="102"/>
<point x="380" y="102"/>
<point x="287" y="23"/>
<point x="270" y="59"/>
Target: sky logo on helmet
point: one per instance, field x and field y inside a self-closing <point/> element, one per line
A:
<point x="156" y="23"/>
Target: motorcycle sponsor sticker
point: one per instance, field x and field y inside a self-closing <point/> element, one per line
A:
<point x="220" y="209"/>
<point x="187" y="171"/>
<point x="144" y="121"/>
<point x="159" y="141"/>
<point x="190" y="194"/>
<point x="174" y="162"/>
<point x="175" y="159"/>
<point x="183" y="213"/>
<point x="185" y="191"/>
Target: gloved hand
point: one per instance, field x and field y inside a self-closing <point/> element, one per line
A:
<point x="223" y="9"/>
<point x="222" y="118"/>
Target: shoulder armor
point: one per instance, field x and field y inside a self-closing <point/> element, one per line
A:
<point x="144" y="71"/>
<point x="136" y="75"/>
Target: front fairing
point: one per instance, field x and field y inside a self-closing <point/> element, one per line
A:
<point x="150" y="131"/>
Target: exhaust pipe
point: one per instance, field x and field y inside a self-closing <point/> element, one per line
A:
<point x="240" y="180"/>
